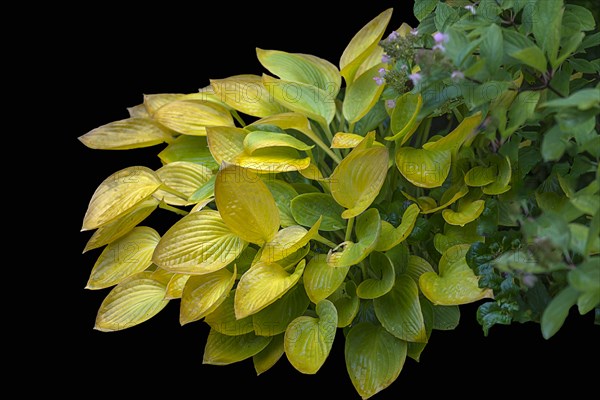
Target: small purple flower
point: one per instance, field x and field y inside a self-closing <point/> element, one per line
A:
<point x="382" y="71"/>
<point x="439" y="47"/>
<point x="415" y="78"/>
<point x="414" y="32"/>
<point x="471" y="8"/>
<point x="385" y="58"/>
<point x="390" y="103"/>
<point x="378" y="80"/>
<point x="457" y="75"/>
<point x="440" y="37"/>
<point x="393" y="36"/>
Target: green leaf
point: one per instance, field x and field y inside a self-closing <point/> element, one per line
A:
<point x="522" y="109"/>
<point x="259" y="140"/>
<point x="557" y="311"/>
<point x="223" y="319"/>
<point x="445" y="318"/>
<point x="374" y="358"/>
<point x="362" y="44"/>
<point x="502" y="183"/>
<point x="119" y="194"/>
<point x="274" y="319"/>
<point x="305" y="99"/>
<point x="130" y="133"/>
<point x="199" y="243"/>
<point x="444" y="16"/>
<point x="481" y="176"/>
<point x="493" y="313"/>
<point x="423" y="168"/>
<point x="579" y="240"/>
<point x="320" y="279"/>
<point x="399" y="311"/>
<point x="361" y="95"/>
<point x="551" y="202"/>
<point x="303" y="68"/>
<point x="247" y="94"/>
<point x="533" y="57"/>
<point x="547" y="23"/>
<point x="283" y="193"/>
<point x="422" y="8"/>
<point x="191" y="149"/>
<point x="124" y="257"/>
<point x="346" y="303"/>
<point x="467" y="212"/>
<point x="262" y="285"/>
<point x="584" y="17"/>
<point x="415" y="267"/>
<point x="357" y="180"/>
<point x="309" y="207"/>
<point x="404" y="117"/>
<point x="202" y="294"/>
<point x="308" y="340"/>
<point x="267" y="357"/>
<point x="382" y="266"/>
<point x="223" y="350"/>
<point x="390" y="237"/>
<point x="464" y="132"/>
<point x="246" y="204"/>
<point x="584" y="99"/>
<point x="587" y="301"/>
<point x="191" y="117"/>
<point x="131" y="302"/>
<point x="586" y="277"/>
<point x="183" y="177"/>
<point x="492" y="48"/>
<point x="368" y="229"/>
<point x="287" y="241"/>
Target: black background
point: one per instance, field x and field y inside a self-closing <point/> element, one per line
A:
<point x="114" y="56"/>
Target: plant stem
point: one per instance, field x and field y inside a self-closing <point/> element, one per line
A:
<point x="238" y="118"/>
<point x="351" y="127"/>
<point x="363" y="270"/>
<point x="349" y="229"/>
<point x="176" y="210"/>
<point x="325" y="241"/>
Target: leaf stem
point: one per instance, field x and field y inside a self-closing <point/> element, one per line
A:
<point x="325" y="241"/>
<point x="238" y="118"/>
<point x="349" y="229"/>
<point x="176" y="210"/>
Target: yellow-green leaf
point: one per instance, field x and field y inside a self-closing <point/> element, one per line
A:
<point x="176" y="285"/>
<point x="274" y="319"/>
<point x="342" y="140"/>
<point x="404" y="117"/>
<point x="306" y="99"/>
<point x="287" y="241"/>
<point x="346" y="303"/>
<point x="383" y="268"/>
<point x="223" y="349"/>
<point x="450" y="196"/>
<point x="320" y="279"/>
<point x="283" y="193"/>
<point x="124" y="257"/>
<point x="259" y="140"/>
<point x="303" y="68"/>
<point x="183" y="177"/>
<point x="456" y="283"/>
<point x="362" y="44"/>
<point x="202" y="294"/>
<point x="308" y="340"/>
<point x="502" y="182"/>
<point x="262" y="285"/>
<point x="246" y="204"/>
<point x="307" y="208"/>
<point x="454" y="235"/>
<point x="464" y="132"/>
<point x="267" y="358"/>
<point x="131" y="302"/>
<point x="119" y="194"/>
<point x="273" y="160"/>
<point x="390" y="237"/>
<point x="225" y="143"/>
<point x="153" y="102"/>
<point x="191" y="117"/>
<point x="138" y="111"/>
<point x="246" y="94"/>
<point x="357" y="180"/>
<point x="481" y="176"/>
<point x="130" y="133"/>
<point x="399" y="311"/>
<point x="361" y="95"/>
<point x="198" y="243"/>
<point x="424" y="168"/>
<point x="223" y="319"/>
<point x="467" y="212"/>
<point x="122" y="225"/>
<point x="374" y="358"/>
<point x="191" y="149"/>
<point x="368" y="230"/>
<point x="416" y="267"/>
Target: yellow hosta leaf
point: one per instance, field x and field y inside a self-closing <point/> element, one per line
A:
<point x="267" y="358"/>
<point x="260" y="140"/>
<point x="342" y="140"/>
<point x="362" y="44"/>
<point x="424" y="168"/>
<point x="246" y="94"/>
<point x="449" y="197"/>
<point x="131" y="302"/>
<point x="464" y="132"/>
<point x="357" y="180"/>
<point x="262" y="285"/>
<point x="273" y="160"/>
<point x="502" y="182"/>
<point x="224" y="320"/>
<point x="287" y="241"/>
<point x="191" y="117"/>
<point x="223" y="350"/>
<point x="456" y="283"/>
<point x="283" y="193"/>
<point x="176" y="285"/>
<point x="225" y="143"/>
<point x="183" y="177"/>
<point x="122" y="225"/>
<point x="130" y="133"/>
<point x="303" y="68"/>
<point x="191" y="149"/>
<point x="246" y="204"/>
<point x="321" y="279"/>
<point x="467" y="212"/>
<point x="368" y="231"/>
<point x="118" y="194"/>
<point x="404" y="117"/>
<point x="198" y="243"/>
<point x="361" y="95"/>
<point x="153" y="102"/>
<point x="138" y="111"/>
<point x="370" y="61"/>
<point x="303" y="98"/>
<point x="481" y="176"/>
<point x="202" y="294"/>
<point x="390" y="237"/>
<point x="124" y="257"/>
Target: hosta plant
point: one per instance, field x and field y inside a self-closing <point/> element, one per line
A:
<point x="437" y="165"/>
